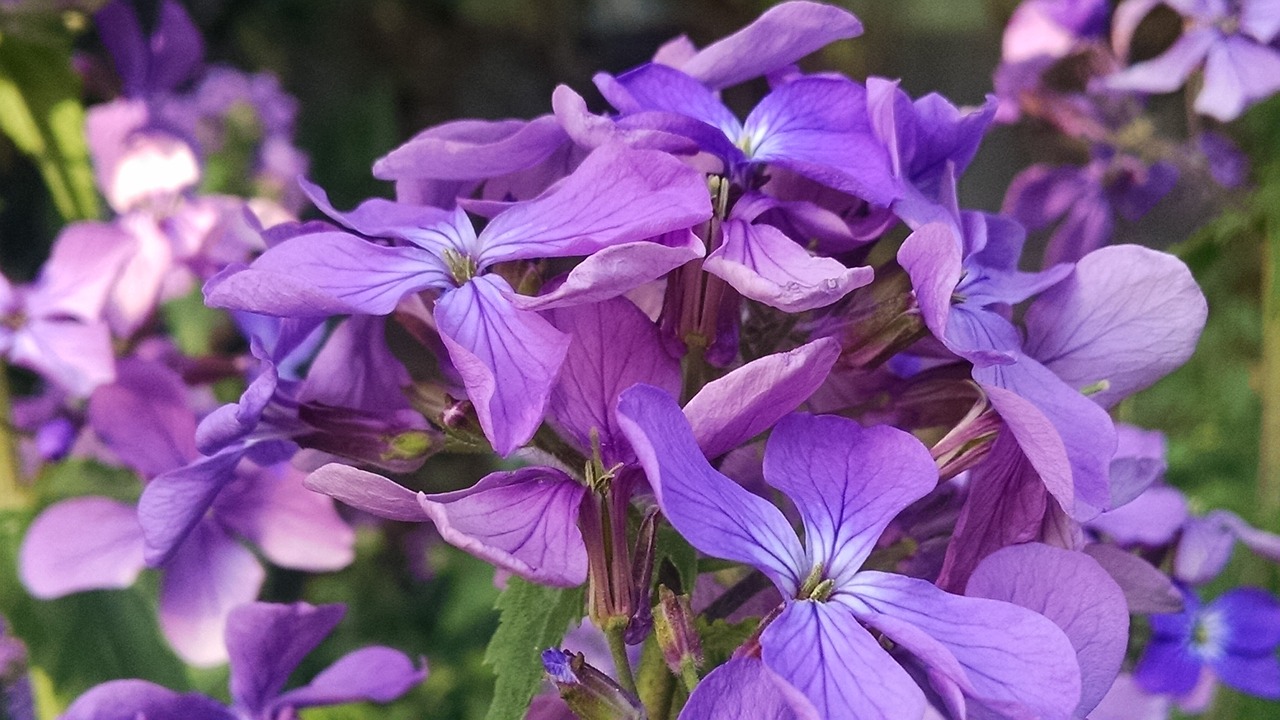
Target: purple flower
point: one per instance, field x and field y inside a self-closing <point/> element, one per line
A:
<point x="266" y="643"/>
<point x="1232" y="38"/>
<point x="1235" y="637"/>
<point x="508" y="356"/>
<point x="848" y="482"/>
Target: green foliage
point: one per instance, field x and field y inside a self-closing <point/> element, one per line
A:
<point x="721" y="638"/>
<point x="534" y="618"/>
<point x="41" y="113"/>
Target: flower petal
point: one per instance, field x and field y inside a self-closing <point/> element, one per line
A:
<point x="366" y="491"/>
<point x="763" y="264"/>
<point x="508" y="358"/>
<point x="175" y="501"/>
<point x="524" y="521"/>
<point x="712" y="512"/>
<point x="85" y="543"/>
<point x="373" y="674"/>
<point x="822" y="650"/>
<point x="745" y="687"/>
<point x="847" y="481"/>
<point x="1237" y="73"/>
<point x="267" y="642"/>
<point x="132" y="699"/>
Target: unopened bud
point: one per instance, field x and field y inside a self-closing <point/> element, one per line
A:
<point x="674" y="629"/>
<point x="589" y="693"/>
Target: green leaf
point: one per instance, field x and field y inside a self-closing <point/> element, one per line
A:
<point x="676" y="550"/>
<point x="40" y="111"/>
<point x="192" y="323"/>
<point x="721" y="638"/>
<point x="534" y="618"/>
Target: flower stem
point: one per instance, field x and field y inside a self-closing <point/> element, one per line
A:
<point x="618" y="648"/>
<point x="13" y="494"/>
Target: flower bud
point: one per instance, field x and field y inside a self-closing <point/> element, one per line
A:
<point x="675" y="632"/>
<point x="589" y="693"/>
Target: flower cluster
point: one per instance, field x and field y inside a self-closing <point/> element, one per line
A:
<point x="887" y="446"/>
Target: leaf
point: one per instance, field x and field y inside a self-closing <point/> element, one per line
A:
<point x="533" y="619"/>
<point x="721" y="638"/>
<point x="675" y="549"/>
<point x="40" y="111"/>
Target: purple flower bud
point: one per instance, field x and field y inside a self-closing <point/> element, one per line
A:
<point x="591" y="694"/>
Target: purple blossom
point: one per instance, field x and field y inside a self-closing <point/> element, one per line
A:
<point x="847" y="483"/>
<point x="1231" y="38"/>
<point x="265" y="643"/>
<point x="1234" y="637"/>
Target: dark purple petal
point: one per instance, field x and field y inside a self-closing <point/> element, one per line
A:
<point x="617" y="195"/>
<point x="374" y="674"/>
<point x="508" y="358"/>
<point x="208" y="576"/>
<point x="133" y="699"/>
<point x="1013" y="658"/>
<point x="356" y="369"/>
<point x="618" y="269"/>
<point x="764" y="264"/>
<point x="745" y="687"/>
<point x="614" y="346"/>
<point x="472" y="150"/>
<point x="1250" y="620"/>
<point x="1128" y="315"/>
<point x="1167" y="666"/>
<point x="266" y="642"/>
<point x="821" y="649"/>
<point x="732" y="409"/>
<point x="847" y="481"/>
<point x="659" y="87"/>
<point x="1091" y="610"/>
<point x="232" y="422"/>
<point x="366" y="491"/>
<point x="780" y="36"/>
<point x="84" y="543"/>
<point x="177" y="48"/>
<point x="121" y="33"/>
<point x="525" y="522"/>
<point x="712" y="512"/>
<point x="175" y="501"/>
<point x="327" y="273"/>
<point x="1250" y="674"/>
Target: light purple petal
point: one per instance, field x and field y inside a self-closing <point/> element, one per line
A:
<point x="822" y="650"/>
<point x="508" y="358"/>
<point x="327" y="273"/>
<point x="232" y="422"/>
<point x="730" y="410"/>
<point x="641" y="131"/>
<point x="374" y="674"/>
<point x="174" y="502"/>
<point x="1012" y="657"/>
<point x="377" y="217"/>
<point x="356" y="369"/>
<point x="84" y="543"/>
<point x="267" y="642"/>
<point x="82" y="268"/>
<point x="1260" y="19"/>
<point x="524" y="521"/>
<point x="1128" y="315"/>
<point x="1169" y="71"/>
<point x="818" y="127"/>
<point x="133" y="699"/>
<point x="472" y="150"/>
<point x="745" y="687"/>
<point x="1085" y="431"/>
<point x="1091" y="609"/>
<point x="208" y="576"/>
<point x="1127" y="701"/>
<point x="780" y="36"/>
<point x="764" y="264"/>
<point x="618" y="269"/>
<point x="1147" y="590"/>
<point x="143" y="417"/>
<point x="712" y="512"/>
<point x="293" y="528"/>
<point x="616" y="195"/>
<point x="1237" y="73"/>
<point x="77" y="356"/>
<point x="614" y="346"/>
<point x="366" y="491"/>
<point x="1204" y="548"/>
<point x="1138" y="463"/>
<point x="847" y="481"/>
<point x="1150" y="519"/>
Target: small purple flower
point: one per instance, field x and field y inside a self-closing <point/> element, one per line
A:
<point x="1232" y="38"/>
<point x="848" y="482"/>
<point x="266" y="643"/>
<point x="1235" y="637"/>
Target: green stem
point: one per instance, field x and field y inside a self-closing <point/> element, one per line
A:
<point x="618" y="648"/>
<point x="13" y="494"/>
<point x="657" y="685"/>
<point x="1267" y="498"/>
